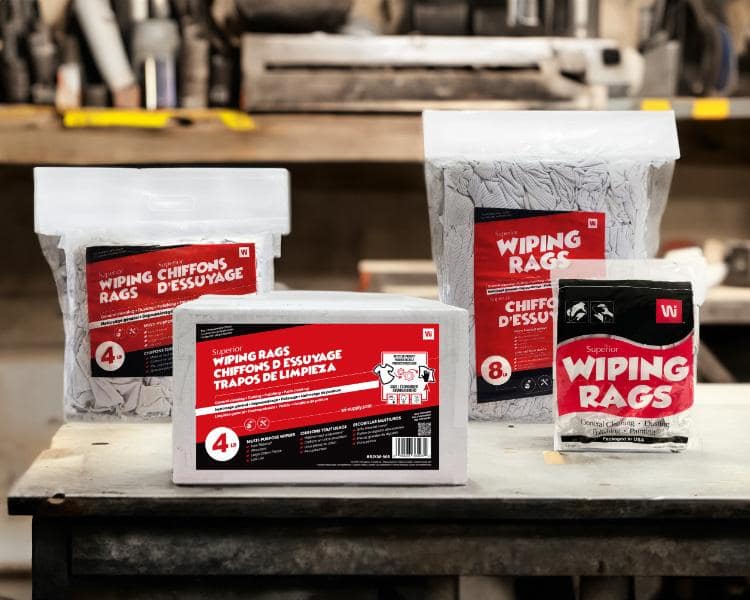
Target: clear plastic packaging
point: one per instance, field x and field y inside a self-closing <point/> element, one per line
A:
<point x="127" y="245"/>
<point x="626" y="341"/>
<point x="518" y="169"/>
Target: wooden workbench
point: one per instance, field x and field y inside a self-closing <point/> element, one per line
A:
<point x="104" y="506"/>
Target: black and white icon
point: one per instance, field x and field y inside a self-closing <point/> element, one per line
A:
<point x="385" y="373"/>
<point x="577" y="312"/>
<point x="544" y="382"/>
<point x="528" y="384"/>
<point x="426" y="374"/>
<point x="602" y="311"/>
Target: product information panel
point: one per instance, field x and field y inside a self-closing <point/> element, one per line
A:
<point x="317" y="396"/>
<point x="132" y="291"/>
<point x="514" y="251"/>
<point x="625" y="362"/>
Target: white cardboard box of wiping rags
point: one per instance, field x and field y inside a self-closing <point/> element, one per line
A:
<point x="320" y="387"/>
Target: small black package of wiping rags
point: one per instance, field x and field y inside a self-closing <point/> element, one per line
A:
<point x="626" y="340"/>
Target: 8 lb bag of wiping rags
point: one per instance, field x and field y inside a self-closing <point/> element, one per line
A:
<point x="128" y="245"/>
<point x="512" y="195"/>
<point x="626" y="341"/>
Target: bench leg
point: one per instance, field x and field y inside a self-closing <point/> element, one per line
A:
<point x="50" y="559"/>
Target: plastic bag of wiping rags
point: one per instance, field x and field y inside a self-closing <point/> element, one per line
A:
<point x="128" y="245"/>
<point x="626" y="341"/>
<point x="512" y="195"/>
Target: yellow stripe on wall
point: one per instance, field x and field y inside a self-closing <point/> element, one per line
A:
<point x="656" y="104"/>
<point x="711" y="108"/>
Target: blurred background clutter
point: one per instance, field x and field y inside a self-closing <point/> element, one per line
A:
<point x="228" y="53"/>
<point x="332" y="90"/>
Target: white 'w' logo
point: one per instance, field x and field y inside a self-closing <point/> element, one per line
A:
<point x="669" y="310"/>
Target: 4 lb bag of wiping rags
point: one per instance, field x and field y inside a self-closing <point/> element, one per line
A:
<point x="128" y="245"/>
<point x="626" y="340"/>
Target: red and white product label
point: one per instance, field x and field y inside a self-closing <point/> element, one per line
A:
<point x="318" y="396"/>
<point x="623" y="378"/>
<point x="132" y="291"/>
<point x="514" y="251"/>
<point x="624" y="374"/>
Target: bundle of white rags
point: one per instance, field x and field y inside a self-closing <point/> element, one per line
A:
<point x="616" y="163"/>
<point x="79" y="208"/>
<point x="116" y="397"/>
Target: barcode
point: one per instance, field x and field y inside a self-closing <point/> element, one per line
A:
<point x="411" y="447"/>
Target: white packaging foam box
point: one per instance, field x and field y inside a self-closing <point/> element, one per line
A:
<point x="320" y="387"/>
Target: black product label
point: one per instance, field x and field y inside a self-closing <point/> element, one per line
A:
<point x="636" y="310"/>
<point x="402" y="440"/>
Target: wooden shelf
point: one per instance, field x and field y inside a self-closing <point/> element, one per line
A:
<point x="699" y="109"/>
<point x="41" y="139"/>
<point x="32" y="135"/>
<point x="726" y="305"/>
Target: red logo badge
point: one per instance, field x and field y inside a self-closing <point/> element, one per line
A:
<point x="668" y="310"/>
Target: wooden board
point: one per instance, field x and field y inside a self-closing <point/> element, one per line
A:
<point x="411" y="90"/>
<point x="125" y="470"/>
<point x="277" y="139"/>
<point x="417" y="50"/>
<point x="410" y="73"/>
<point x="37" y="137"/>
<point x="726" y="305"/>
<point x="271" y="547"/>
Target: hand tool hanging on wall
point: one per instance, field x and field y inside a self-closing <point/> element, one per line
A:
<point x="103" y="35"/>
<point x="15" y="69"/>
<point x="44" y="59"/>
<point x="194" y="66"/>
<point x="155" y="46"/>
<point x="441" y="17"/>
<point x="69" y="92"/>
